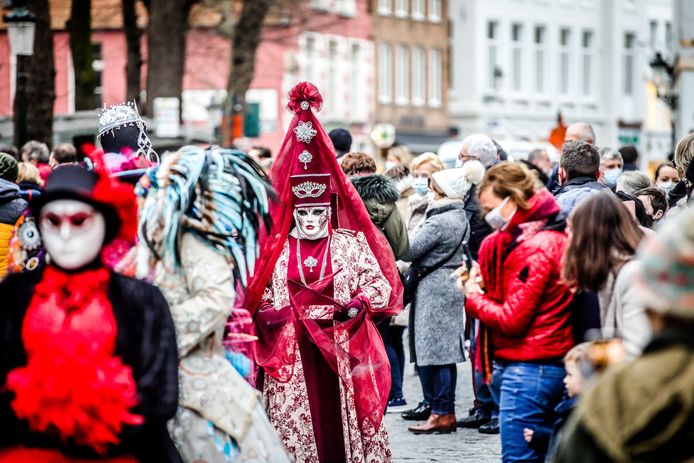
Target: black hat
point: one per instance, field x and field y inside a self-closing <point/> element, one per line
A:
<point x="342" y="141"/>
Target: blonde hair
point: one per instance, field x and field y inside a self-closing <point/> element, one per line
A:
<point x="28" y="172"/>
<point x="684" y="152"/>
<point x="578" y="354"/>
<point x="429" y="157"/>
<point x="402" y="153"/>
<point x="511" y="179"/>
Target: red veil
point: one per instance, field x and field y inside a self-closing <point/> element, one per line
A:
<point x="316" y="155"/>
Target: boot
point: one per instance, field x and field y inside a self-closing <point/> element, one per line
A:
<point x="439" y="424"/>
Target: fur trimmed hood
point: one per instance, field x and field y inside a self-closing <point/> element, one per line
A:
<point x="378" y="188"/>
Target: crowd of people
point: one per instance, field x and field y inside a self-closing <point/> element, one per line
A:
<point x="190" y="307"/>
<point x="551" y="274"/>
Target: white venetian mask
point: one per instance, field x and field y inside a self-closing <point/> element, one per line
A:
<point x="72" y="231"/>
<point x="312" y="222"/>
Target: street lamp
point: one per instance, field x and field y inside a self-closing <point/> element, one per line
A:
<point x="21" y="26"/>
<point x="664" y="78"/>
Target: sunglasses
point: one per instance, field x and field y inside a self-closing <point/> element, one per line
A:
<point x="79" y="221"/>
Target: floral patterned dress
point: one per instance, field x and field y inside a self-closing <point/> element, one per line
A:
<point x="289" y="404"/>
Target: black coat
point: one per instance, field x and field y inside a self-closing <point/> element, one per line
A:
<point x="145" y="341"/>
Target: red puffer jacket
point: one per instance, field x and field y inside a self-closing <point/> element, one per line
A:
<point x="526" y="305"/>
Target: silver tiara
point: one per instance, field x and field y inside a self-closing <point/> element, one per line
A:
<point x="309" y="190"/>
<point x="119" y="115"/>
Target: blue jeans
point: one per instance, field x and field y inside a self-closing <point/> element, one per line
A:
<point x="441" y="381"/>
<point x="396" y="357"/>
<point x="425" y="379"/>
<point x="528" y="394"/>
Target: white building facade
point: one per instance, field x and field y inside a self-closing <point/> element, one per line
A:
<point x="516" y="64"/>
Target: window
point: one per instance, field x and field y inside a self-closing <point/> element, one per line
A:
<point x="653" y="34"/>
<point x="492" y="53"/>
<point x="435" y="10"/>
<point x="98" y="66"/>
<point x="332" y="77"/>
<point x="401" y="8"/>
<point x="668" y="35"/>
<point x="564" y="61"/>
<point x="418" y="76"/>
<point x="401" y="75"/>
<point x="385" y="73"/>
<point x="418" y="9"/>
<point x="517" y="57"/>
<point x="629" y="63"/>
<point x="357" y="85"/>
<point x="435" y="78"/>
<point x="310" y="58"/>
<point x="384" y="7"/>
<point x="540" y="59"/>
<point x="587" y="64"/>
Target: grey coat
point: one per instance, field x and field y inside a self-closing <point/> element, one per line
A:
<point x="437" y="323"/>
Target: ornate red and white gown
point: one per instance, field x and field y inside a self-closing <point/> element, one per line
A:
<point x="315" y="411"/>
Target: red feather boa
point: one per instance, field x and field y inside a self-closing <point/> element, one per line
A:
<point x="73" y="385"/>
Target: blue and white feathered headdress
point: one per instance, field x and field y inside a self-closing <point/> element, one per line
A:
<point x="221" y="195"/>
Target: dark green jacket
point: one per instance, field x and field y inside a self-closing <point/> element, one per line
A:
<point x="642" y="411"/>
<point x="380" y="196"/>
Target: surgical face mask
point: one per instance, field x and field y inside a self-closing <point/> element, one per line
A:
<point x="495" y="219"/>
<point x="389" y="165"/>
<point x="312" y="222"/>
<point x="73" y="232"/>
<point x="420" y="185"/>
<point x="666" y="186"/>
<point x="611" y="176"/>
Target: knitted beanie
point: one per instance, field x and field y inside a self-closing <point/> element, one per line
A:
<point x="456" y="183"/>
<point x="9" y="169"/>
<point x="666" y="279"/>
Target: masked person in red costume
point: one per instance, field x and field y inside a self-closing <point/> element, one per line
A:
<point x="88" y="369"/>
<point x="326" y="274"/>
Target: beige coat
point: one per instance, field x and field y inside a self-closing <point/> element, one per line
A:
<point x="623" y="310"/>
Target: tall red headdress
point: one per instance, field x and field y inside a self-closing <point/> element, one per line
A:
<point x="306" y="173"/>
<point x="307" y="150"/>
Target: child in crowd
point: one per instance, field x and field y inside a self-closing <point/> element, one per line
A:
<point x="578" y="365"/>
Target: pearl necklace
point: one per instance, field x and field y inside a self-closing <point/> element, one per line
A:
<point x="311" y="261"/>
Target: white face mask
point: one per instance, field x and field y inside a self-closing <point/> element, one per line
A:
<point x="495" y="219"/>
<point x="389" y="165"/>
<point x="312" y="222"/>
<point x="666" y="186"/>
<point x="73" y="232"/>
<point x="420" y="185"/>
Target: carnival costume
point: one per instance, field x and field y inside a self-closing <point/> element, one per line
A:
<point x="198" y="234"/>
<point x="325" y="275"/>
<point x="89" y="365"/>
<point x="122" y="131"/>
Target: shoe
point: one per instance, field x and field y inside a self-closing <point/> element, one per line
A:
<point x="439" y="424"/>
<point x="421" y="413"/>
<point x="473" y="421"/>
<point x="490" y="428"/>
<point x="396" y="405"/>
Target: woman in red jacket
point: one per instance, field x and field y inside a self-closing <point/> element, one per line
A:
<point x="524" y="304"/>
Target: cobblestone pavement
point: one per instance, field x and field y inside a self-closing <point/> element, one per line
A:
<point x="464" y="446"/>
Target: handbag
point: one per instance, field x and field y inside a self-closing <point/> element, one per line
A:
<point x="414" y="274"/>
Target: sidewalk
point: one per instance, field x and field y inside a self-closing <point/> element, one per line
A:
<point x="464" y="446"/>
